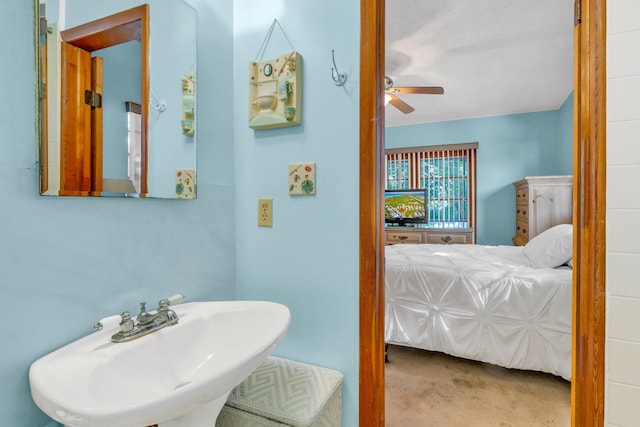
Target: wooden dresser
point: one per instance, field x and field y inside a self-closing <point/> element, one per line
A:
<point x="442" y="236"/>
<point x="541" y="203"/>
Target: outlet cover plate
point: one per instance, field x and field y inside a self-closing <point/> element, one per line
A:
<point x="265" y="212"/>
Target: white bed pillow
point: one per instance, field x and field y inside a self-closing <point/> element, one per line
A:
<point x="552" y="247"/>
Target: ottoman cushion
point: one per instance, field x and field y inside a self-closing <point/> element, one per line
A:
<point x="285" y="392"/>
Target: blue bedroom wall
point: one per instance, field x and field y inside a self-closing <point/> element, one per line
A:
<point x="509" y="148"/>
<point x="565" y="132"/>
<point x="308" y="260"/>
<point x="67" y="262"/>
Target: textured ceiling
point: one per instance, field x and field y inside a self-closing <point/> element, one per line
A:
<point x="493" y="57"/>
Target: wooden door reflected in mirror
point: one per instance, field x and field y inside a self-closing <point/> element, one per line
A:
<point x="81" y="151"/>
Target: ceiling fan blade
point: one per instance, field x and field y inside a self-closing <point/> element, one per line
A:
<point x="431" y="90"/>
<point x="400" y="104"/>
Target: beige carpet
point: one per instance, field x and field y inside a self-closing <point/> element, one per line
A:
<point x="432" y="389"/>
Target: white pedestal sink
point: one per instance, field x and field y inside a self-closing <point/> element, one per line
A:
<point x="179" y="376"/>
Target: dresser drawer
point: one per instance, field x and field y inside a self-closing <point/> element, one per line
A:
<point x="522" y="213"/>
<point x="522" y="230"/>
<point x="518" y="241"/>
<point x="404" y="238"/>
<point x="522" y="196"/>
<point x="448" y="239"/>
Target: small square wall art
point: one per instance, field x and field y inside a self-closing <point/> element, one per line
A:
<point x="302" y="179"/>
<point x="185" y="184"/>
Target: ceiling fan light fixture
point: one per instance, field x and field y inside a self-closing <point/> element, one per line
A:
<point x="391" y="92"/>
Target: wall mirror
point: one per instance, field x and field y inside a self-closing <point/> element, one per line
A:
<point x="117" y="98"/>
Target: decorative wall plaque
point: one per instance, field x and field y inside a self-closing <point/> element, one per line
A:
<point x="275" y="92"/>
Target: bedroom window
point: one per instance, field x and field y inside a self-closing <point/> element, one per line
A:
<point x="446" y="171"/>
<point x="397" y="174"/>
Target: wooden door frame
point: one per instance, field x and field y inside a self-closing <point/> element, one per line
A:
<point x="589" y="202"/>
<point x="371" y="216"/>
<point x="127" y="25"/>
<point x="587" y="393"/>
<point x="42" y="99"/>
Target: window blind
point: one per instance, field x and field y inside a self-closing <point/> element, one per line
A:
<point x="448" y="172"/>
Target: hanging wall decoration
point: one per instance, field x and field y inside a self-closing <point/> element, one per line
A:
<point x="188" y="104"/>
<point x="275" y="89"/>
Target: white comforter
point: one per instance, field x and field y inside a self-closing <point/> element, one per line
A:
<point x="486" y="303"/>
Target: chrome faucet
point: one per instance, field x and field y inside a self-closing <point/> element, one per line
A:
<point x="143" y="317"/>
<point x="146" y="322"/>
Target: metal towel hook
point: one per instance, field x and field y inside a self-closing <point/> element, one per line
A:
<point x="155" y="103"/>
<point x="338" y="78"/>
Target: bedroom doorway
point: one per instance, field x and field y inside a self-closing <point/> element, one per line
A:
<point x="589" y="214"/>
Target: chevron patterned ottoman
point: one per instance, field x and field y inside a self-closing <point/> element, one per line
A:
<point x="282" y="392"/>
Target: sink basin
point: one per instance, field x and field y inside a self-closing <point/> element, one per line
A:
<point x="178" y="376"/>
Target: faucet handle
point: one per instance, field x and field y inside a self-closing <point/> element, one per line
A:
<point x="126" y="322"/>
<point x="172" y="300"/>
<point x="175" y="299"/>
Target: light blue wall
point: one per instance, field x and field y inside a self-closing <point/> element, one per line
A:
<point x="172" y="24"/>
<point x="121" y="83"/>
<point x="565" y="150"/>
<point x="509" y="148"/>
<point x="67" y="262"/>
<point x="308" y="260"/>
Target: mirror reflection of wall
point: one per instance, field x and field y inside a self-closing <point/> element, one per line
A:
<point x="121" y="84"/>
<point x="126" y="169"/>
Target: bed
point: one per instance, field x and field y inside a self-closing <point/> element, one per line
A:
<point x="505" y="305"/>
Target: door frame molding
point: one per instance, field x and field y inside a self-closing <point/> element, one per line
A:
<point x="589" y="203"/>
<point x="127" y="25"/>
<point x="587" y="392"/>
<point x="371" y="394"/>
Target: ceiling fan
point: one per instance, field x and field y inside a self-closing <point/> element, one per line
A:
<point x="390" y="94"/>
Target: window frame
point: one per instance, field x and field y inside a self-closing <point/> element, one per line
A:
<point x="412" y="158"/>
